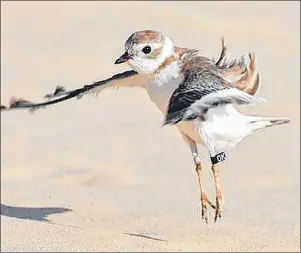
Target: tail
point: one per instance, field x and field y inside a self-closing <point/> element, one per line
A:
<point x="263" y="122"/>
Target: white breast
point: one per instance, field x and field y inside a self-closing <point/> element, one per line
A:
<point x="163" y="85"/>
<point x="160" y="90"/>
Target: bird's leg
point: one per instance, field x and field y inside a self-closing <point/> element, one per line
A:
<point x="197" y="161"/>
<point x="203" y="195"/>
<point x="218" y="195"/>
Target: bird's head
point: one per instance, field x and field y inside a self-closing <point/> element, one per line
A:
<point x="146" y="50"/>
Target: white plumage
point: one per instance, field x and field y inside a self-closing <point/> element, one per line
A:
<point x="225" y="127"/>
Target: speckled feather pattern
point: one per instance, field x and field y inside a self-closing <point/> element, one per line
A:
<point x="201" y="77"/>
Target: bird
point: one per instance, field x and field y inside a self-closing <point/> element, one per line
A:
<point x="200" y="96"/>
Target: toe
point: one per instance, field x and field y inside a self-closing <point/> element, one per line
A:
<point x="218" y="210"/>
<point x="205" y="213"/>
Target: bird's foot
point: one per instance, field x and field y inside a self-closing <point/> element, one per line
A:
<point x="204" y="201"/>
<point x="219" y="207"/>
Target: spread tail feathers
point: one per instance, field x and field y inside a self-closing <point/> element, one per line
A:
<point x="263" y="122"/>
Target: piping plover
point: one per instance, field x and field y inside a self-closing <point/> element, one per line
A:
<point x="199" y="96"/>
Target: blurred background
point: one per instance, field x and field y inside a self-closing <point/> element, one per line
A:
<point x="104" y="170"/>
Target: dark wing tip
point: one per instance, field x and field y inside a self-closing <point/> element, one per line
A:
<point x="173" y="118"/>
<point x="58" y="90"/>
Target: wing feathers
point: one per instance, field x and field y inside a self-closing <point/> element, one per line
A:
<point x="242" y="72"/>
<point x="208" y="85"/>
<point x="127" y="78"/>
<point x="214" y="99"/>
<point x="228" y="96"/>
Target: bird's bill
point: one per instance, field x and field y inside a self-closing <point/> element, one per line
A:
<point x="123" y="58"/>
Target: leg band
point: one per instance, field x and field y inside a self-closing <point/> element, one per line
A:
<point x="218" y="158"/>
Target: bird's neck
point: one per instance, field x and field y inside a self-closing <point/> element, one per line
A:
<point x="177" y="55"/>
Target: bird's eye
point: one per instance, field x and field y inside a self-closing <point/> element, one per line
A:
<point x="146" y="49"/>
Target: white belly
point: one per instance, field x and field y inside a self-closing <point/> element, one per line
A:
<point x="160" y="93"/>
<point x="223" y="128"/>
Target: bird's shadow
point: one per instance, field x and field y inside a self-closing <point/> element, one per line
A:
<point x="31" y="213"/>
<point x="146" y="237"/>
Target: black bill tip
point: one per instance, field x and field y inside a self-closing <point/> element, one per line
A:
<point x="123" y="58"/>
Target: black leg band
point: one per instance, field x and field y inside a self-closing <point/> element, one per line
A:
<point x="218" y="158"/>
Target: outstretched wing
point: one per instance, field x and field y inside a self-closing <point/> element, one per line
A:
<point x="202" y="88"/>
<point x="60" y="94"/>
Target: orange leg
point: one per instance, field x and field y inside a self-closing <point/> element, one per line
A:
<point x="204" y="198"/>
<point x="199" y="170"/>
<point x="218" y="194"/>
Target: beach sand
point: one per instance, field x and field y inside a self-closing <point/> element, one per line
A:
<point x="101" y="174"/>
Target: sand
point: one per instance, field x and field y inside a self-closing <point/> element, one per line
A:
<point x="100" y="174"/>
